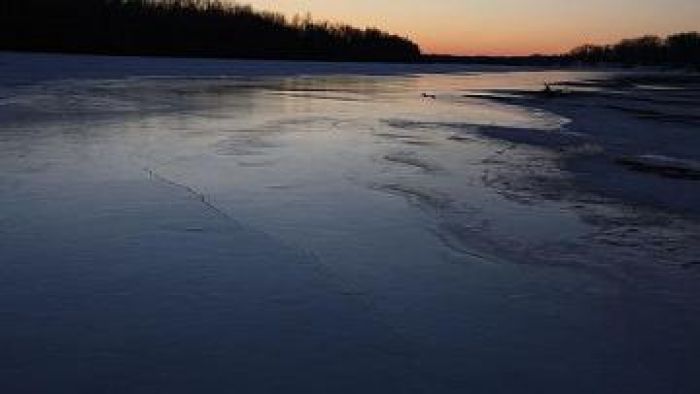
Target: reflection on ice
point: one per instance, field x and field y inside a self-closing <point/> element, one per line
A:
<point x="336" y="232"/>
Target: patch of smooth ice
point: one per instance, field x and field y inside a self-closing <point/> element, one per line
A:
<point x="542" y="138"/>
<point x="663" y="165"/>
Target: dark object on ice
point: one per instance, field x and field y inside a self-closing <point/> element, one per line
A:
<point x="549" y="92"/>
<point x="547" y="88"/>
<point x="430" y="96"/>
<point x="662" y="165"/>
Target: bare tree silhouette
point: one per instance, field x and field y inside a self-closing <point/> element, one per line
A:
<point x="678" y="49"/>
<point x="207" y="28"/>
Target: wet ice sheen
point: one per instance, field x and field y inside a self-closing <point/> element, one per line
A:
<point x="319" y="233"/>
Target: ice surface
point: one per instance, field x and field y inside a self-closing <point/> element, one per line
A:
<point x="664" y="165"/>
<point x="194" y="225"/>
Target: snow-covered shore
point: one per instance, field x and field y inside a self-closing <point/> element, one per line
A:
<point x="637" y="121"/>
<point x="28" y="67"/>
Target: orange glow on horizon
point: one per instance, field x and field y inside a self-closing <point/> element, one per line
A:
<point x="502" y="27"/>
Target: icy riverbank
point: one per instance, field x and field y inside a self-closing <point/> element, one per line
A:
<point x="191" y="225"/>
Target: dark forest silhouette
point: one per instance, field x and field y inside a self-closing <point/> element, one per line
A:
<point x="201" y="28"/>
<point x="677" y="50"/>
<point x="211" y="28"/>
<point x="682" y="49"/>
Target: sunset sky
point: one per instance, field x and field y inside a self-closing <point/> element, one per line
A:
<point x="503" y="27"/>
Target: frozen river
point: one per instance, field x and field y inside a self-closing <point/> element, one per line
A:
<point x="208" y="226"/>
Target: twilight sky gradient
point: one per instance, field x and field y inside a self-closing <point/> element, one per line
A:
<point x="503" y="26"/>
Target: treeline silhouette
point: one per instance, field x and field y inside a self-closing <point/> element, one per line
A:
<point x="676" y="50"/>
<point x="535" y="60"/>
<point x="682" y="49"/>
<point x="201" y="28"/>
